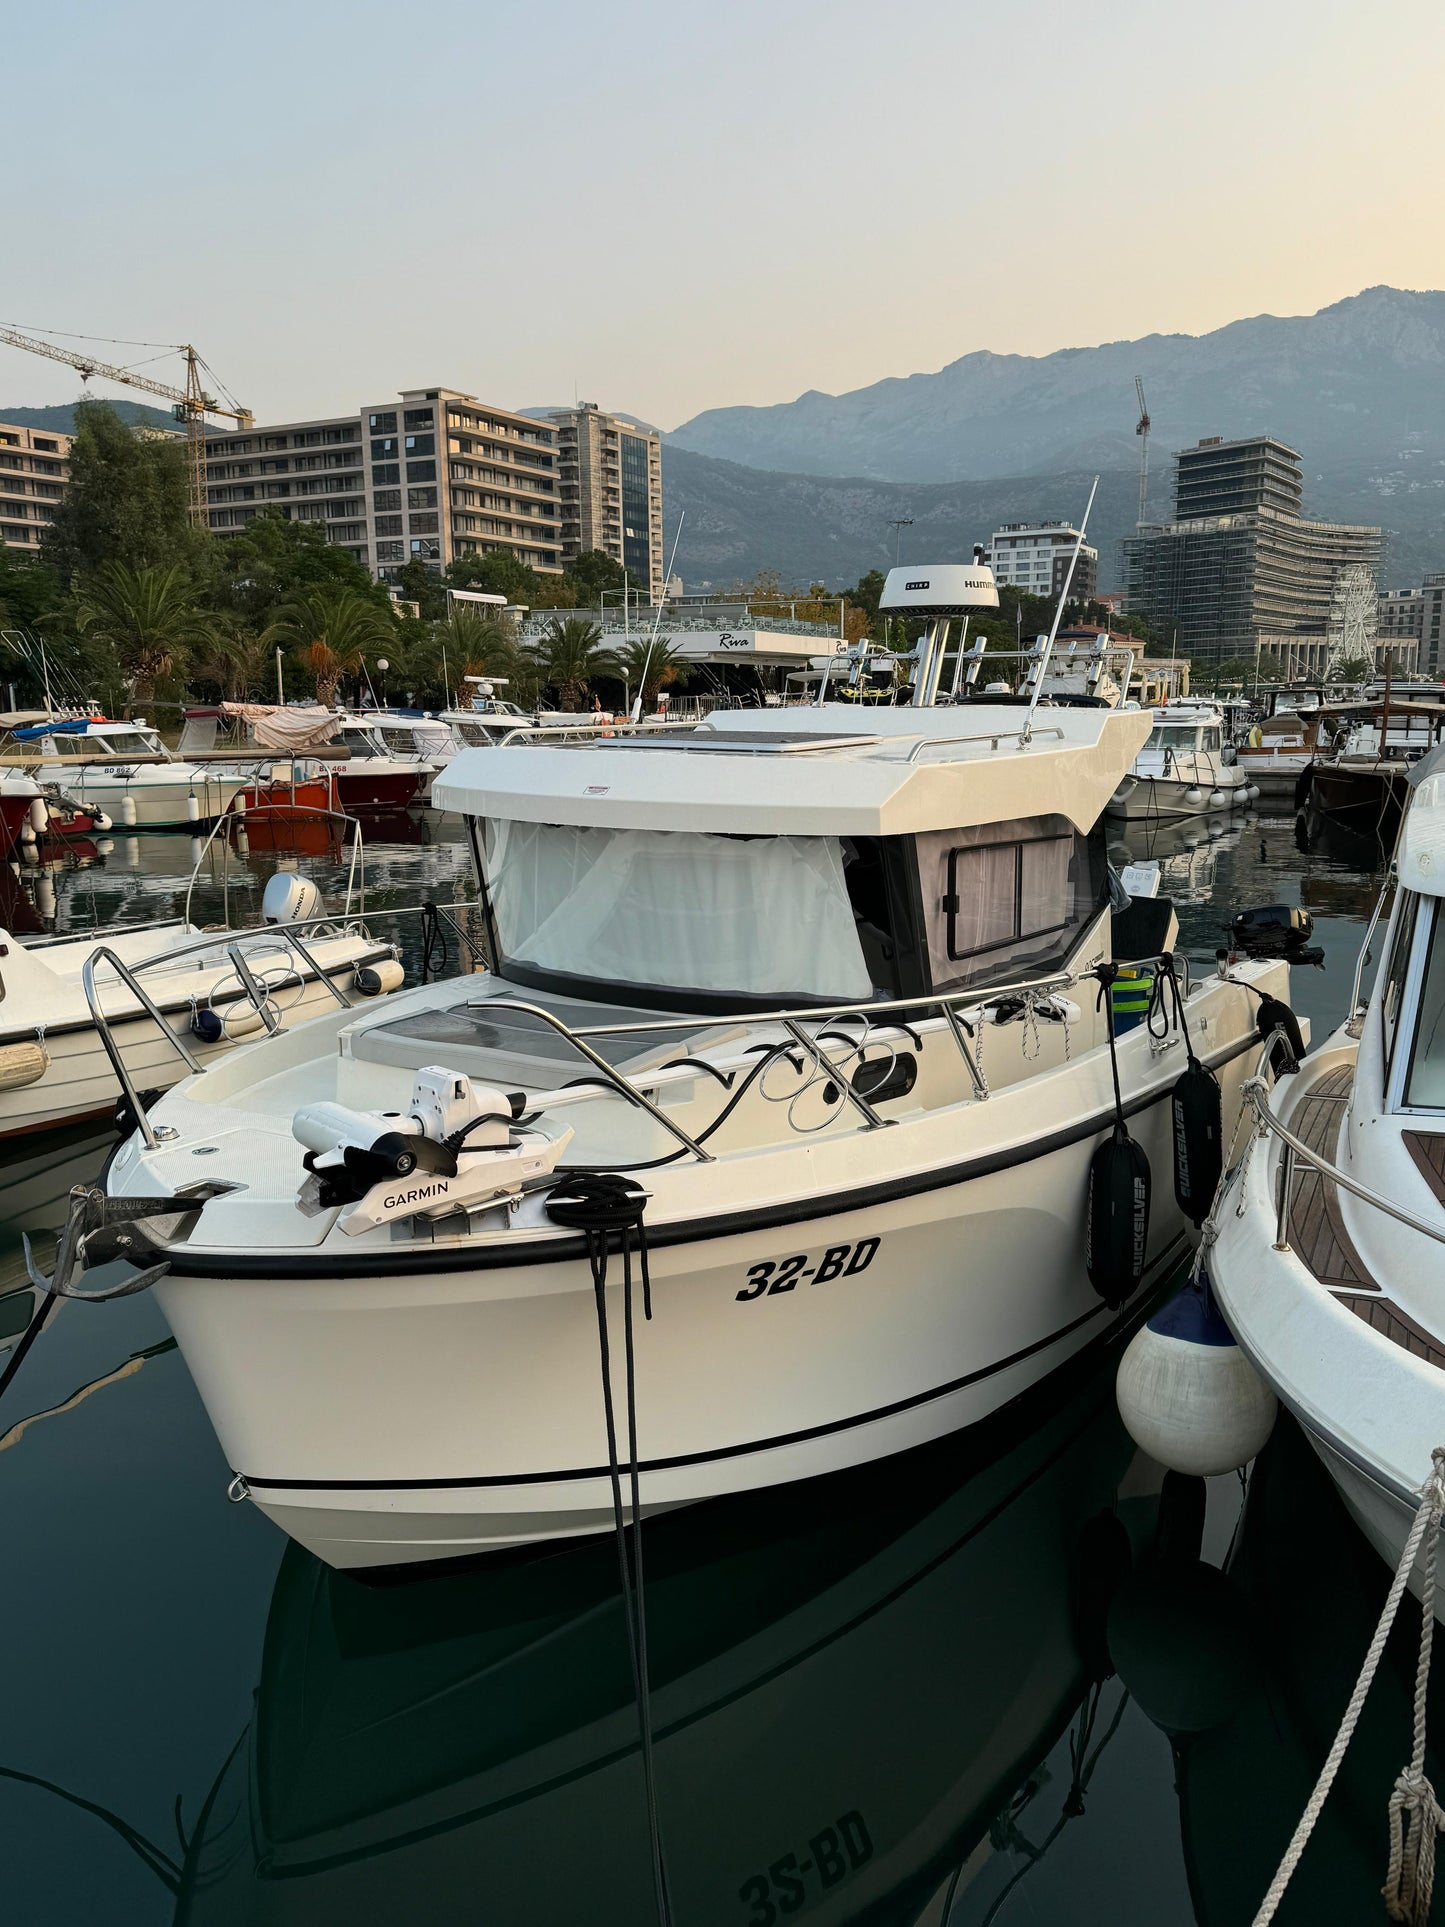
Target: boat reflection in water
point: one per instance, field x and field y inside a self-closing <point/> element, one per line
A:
<point x="1187" y="852"/>
<point x="850" y="1679"/>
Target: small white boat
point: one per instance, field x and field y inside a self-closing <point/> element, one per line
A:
<point x="1184" y="769"/>
<point x="211" y="990"/>
<point x="1328" y="1263"/>
<point x="824" y="984"/>
<point x="125" y="770"/>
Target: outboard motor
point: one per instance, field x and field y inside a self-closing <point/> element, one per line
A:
<point x="289" y="898"/>
<point x="1273" y="930"/>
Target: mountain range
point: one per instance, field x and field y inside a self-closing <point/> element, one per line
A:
<point x="61" y="416"/>
<point x="1358" y="389"/>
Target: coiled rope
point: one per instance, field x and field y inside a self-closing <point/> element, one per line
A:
<point x="1415" y="1813"/>
<point x="601" y="1204"/>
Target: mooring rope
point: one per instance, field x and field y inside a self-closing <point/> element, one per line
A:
<point x="1409" y="1883"/>
<point x="599" y="1203"/>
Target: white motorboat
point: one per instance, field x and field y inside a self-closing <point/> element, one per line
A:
<point x="824" y="984"/>
<point x="1184" y="769"/>
<point x="1328" y="1261"/>
<point x="125" y="770"/>
<point x="166" y="999"/>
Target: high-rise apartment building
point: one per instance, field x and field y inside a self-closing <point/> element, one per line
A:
<point x="1239" y="568"/>
<point x="1400" y="614"/>
<point x="429" y="477"/>
<point x="1432" y="626"/>
<point x="34" y="468"/>
<point x="1035" y="556"/>
<point x="610" y="480"/>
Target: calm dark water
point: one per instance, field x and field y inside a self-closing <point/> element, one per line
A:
<point x="948" y="1688"/>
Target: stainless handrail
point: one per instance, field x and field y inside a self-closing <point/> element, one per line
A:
<point x="791" y="1021"/>
<point x="622" y="1085"/>
<point x="1360" y="960"/>
<point x="112" y="1051"/>
<point x="994" y="736"/>
<point x="129" y="975"/>
<point x="238" y="819"/>
<point x="1254" y="1096"/>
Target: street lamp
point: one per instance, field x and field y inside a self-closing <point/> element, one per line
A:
<point x="898" y="525"/>
<point x="383" y="665"/>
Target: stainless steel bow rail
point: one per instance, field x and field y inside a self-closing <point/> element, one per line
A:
<point x="1254" y="1094"/>
<point x="913" y="1013"/>
<point x="233" y="945"/>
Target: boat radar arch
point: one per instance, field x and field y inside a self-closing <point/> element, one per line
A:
<point x="938" y="592"/>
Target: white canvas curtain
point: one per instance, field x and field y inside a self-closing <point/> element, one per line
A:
<point x="273" y="728"/>
<point x="764" y="916"/>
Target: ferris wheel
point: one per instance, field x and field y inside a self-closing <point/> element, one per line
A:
<point x="1350" y="627"/>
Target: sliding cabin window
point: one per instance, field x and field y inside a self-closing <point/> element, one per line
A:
<point x="1393" y="989"/>
<point x="1425" y="1080"/>
<point x="1006" y="898"/>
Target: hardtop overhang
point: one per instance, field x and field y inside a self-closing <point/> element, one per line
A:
<point x="824" y="771"/>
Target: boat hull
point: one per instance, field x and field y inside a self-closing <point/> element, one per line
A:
<point x="423" y="1416"/>
<point x="78" y="1083"/>
<point x="361" y="789"/>
<point x="1152" y="798"/>
<point x="1368" y="799"/>
<point x="152" y="801"/>
<point x="1369" y="1406"/>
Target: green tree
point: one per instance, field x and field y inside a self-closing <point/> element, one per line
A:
<point x="126" y="503"/>
<point x="594" y="571"/>
<point x="498" y="572"/>
<point x="235" y="662"/>
<point x="269" y="564"/>
<point x="28" y="590"/>
<point x="646" y="667"/>
<point x="147" y="618"/>
<point x="334" y="632"/>
<point x="416" y="583"/>
<point x="569" y="656"/>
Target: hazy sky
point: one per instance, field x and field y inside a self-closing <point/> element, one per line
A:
<point x="669" y="208"/>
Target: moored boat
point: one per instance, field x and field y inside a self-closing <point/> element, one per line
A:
<point x="1185" y="768"/>
<point x="1328" y="1260"/>
<point x="825" y="986"/>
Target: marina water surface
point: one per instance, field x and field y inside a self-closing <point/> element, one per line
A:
<point x="957" y="1686"/>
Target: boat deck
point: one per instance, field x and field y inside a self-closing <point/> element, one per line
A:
<point x="1317" y="1231"/>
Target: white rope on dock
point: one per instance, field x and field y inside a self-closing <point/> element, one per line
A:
<point x="1409" y="1882"/>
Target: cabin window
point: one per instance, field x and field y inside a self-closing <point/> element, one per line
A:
<point x="1425" y="1085"/>
<point x="675" y="911"/>
<point x="1393" y="988"/>
<point x="1005" y="895"/>
<point x="1175" y="736"/>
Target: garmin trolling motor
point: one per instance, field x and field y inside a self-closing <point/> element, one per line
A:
<point x="460" y="1147"/>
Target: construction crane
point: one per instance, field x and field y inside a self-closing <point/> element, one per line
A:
<point x="1142" y="430"/>
<point x="189" y="405"/>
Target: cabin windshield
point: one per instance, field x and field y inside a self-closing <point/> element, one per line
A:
<point x="1172" y="736"/>
<point x="675" y="910"/>
<point x="1425" y="1082"/>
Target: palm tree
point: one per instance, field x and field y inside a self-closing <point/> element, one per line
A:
<point x="147" y="618"/>
<point x="568" y="655"/>
<point x="647" y="667"/>
<point x="333" y="629"/>
<point x="236" y="660"/>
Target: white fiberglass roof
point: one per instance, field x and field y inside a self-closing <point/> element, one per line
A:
<point x="1421" y="859"/>
<point x="827" y="771"/>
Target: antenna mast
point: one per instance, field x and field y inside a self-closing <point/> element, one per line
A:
<point x="1142" y="431"/>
